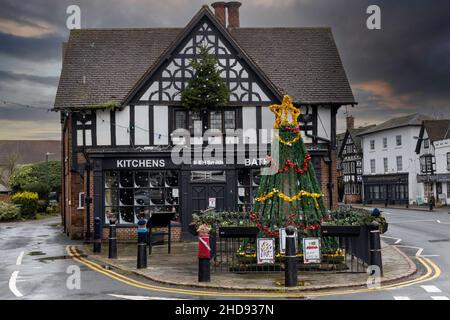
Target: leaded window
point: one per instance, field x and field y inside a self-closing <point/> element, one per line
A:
<point x="130" y="193"/>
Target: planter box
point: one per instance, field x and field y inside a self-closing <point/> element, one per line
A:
<point x="161" y="219"/>
<point x="238" y="232"/>
<point x="341" y="231"/>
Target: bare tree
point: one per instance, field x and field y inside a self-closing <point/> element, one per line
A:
<point x="7" y="169"/>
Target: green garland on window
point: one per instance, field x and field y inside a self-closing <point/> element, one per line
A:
<point x="206" y="89"/>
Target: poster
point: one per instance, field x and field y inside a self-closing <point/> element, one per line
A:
<point x="212" y="203"/>
<point x="311" y="250"/>
<point x="265" y="250"/>
<point x="283" y="240"/>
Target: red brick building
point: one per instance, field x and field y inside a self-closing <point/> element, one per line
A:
<point x="119" y="98"/>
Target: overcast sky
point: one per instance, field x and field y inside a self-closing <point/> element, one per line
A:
<point x="401" y="69"/>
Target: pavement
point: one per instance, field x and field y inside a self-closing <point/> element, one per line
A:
<point x="181" y="268"/>
<point x="40" y="262"/>
<point x="444" y="209"/>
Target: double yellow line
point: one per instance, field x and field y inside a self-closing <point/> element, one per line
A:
<point x="432" y="272"/>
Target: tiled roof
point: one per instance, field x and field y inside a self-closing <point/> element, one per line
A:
<point x="103" y="65"/>
<point x="409" y="120"/>
<point x="29" y="151"/>
<point x="437" y="129"/>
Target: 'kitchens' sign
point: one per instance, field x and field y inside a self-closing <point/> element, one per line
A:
<point x="141" y="163"/>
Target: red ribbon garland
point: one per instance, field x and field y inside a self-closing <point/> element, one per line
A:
<point x="295" y="129"/>
<point x="290" y="164"/>
<point x="275" y="233"/>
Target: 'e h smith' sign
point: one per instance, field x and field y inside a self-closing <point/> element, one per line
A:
<point x="141" y="163"/>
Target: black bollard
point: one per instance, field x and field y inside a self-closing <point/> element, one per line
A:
<point x="142" y="244"/>
<point x="375" y="247"/>
<point x="290" y="264"/>
<point x="112" y="254"/>
<point x="97" y="235"/>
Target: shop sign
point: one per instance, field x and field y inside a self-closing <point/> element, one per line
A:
<point x="283" y="240"/>
<point x="140" y="163"/>
<point x="311" y="250"/>
<point x="265" y="250"/>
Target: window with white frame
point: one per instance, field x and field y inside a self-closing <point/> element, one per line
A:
<point x="448" y="164"/>
<point x="372" y="144"/>
<point x="372" y="166"/>
<point x="80" y="200"/>
<point x="399" y="163"/>
<point x="385" y="143"/>
<point x="426" y="143"/>
<point x="385" y="164"/>
<point x="398" y="140"/>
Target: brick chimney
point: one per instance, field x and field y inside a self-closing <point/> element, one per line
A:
<point x="219" y="11"/>
<point x="350" y="122"/>
<point x="233" y="14"/>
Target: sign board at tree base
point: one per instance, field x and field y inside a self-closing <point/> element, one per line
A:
<point x="265" y="250"/>
<point x="311" y="250"/>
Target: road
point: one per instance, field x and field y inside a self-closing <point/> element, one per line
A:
<point x="35" y="264"/>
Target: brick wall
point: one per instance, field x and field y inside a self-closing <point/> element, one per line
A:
<point x="353" y="198"/>
<point x="130" y="234"/>
<point x="324" y="181"/>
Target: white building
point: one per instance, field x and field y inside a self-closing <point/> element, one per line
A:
<point x="390" y="164"/>
<point x="433" y="148"/>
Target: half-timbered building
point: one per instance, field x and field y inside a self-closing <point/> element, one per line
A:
<point x="350" y="155"/>
<point x="119" y="98"/>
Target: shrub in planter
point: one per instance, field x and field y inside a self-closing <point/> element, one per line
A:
<point x="8" y="212"/>
<point x="28" y="202"/>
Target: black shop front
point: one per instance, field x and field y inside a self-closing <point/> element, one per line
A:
<point x="129" y="183"/>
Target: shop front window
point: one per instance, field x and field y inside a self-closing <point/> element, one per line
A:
<point x="248" y="182"/>
<point x="208" y="176"/>
<point x="130" y="193"/>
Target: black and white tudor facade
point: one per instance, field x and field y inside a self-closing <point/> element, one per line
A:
<point x="119" y="97"/>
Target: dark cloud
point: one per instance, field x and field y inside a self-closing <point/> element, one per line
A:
<point x="6" y="76"/>
<point x="48" y="47"/>
<point x="400" y="69"/>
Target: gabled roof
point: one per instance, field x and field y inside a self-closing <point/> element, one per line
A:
<point x="29" y="151"/>
<point x="409" y="120"/>
<point x="106" y="65"/>
<point x="436" y="130"/>
<point x="354" y="134"/>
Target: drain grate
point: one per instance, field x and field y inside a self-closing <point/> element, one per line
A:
<point x="439" y="240"/>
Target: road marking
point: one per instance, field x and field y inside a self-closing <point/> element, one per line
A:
<point x="419" y="250"/>
<point x="439" y="221"/>
<point x="431" y="289"/>
<point x="12" y="284"/>
<point x="19" y="258"/>
<point x="396" y="242"/>
<point x="405" y="221"/>
<point x="432" y="272"/>
<point x="142" y="297"/>
<point x="439" y="298"/>
<point x="401" y="298"/>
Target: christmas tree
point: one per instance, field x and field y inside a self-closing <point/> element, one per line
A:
<point x="292" y="194"/>
<point x="206" y="88"/>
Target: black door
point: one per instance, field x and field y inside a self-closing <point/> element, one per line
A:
<point x="201" y="193"/>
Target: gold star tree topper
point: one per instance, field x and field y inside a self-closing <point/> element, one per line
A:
<point x="282" y="112"/>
